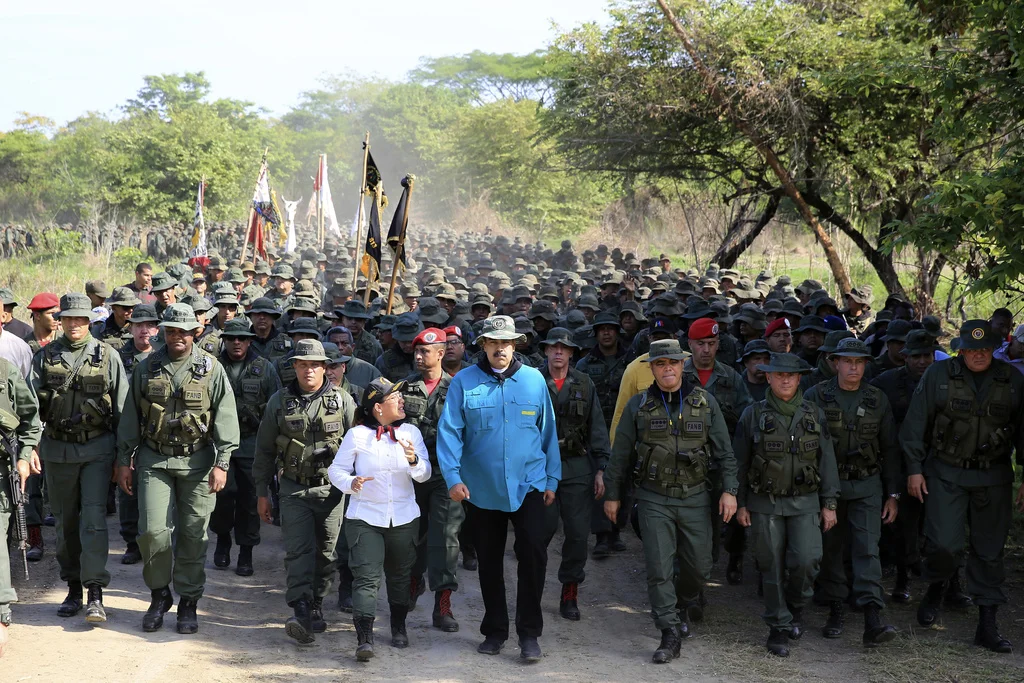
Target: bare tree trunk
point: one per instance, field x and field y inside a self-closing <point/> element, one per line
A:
<point x="714" y="81"/>
<point x="736" y="241"/>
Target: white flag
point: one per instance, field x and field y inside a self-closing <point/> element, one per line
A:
<point x="291" y="242"/>
<point x="355" y="221"/>
<point x="199" y="227"/>
<point x="330" y="217"/>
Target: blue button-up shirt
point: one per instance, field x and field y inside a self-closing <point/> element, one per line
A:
<point x="499" y="438"/>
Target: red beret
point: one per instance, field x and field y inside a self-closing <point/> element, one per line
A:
<point x="453" y="331"/>
<point x="702" y="328"/>
<point x="779" y="324"/>
<point x="431" y="335"/>
<point x="44" y="301"/>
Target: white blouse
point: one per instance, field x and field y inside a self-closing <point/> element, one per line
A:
<point x="390" y="499"/>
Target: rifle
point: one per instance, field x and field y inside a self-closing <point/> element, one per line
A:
<point x="19" y="525"/>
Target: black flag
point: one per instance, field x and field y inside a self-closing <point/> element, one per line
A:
<point x="372" y="251"/>
<point x="399" y="223"/>
<point x="373" y="179"/>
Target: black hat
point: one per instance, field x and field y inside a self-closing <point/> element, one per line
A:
<point x="559" y="335"/>
<point x="785" y="362"/>
<point x="976" y="335"/>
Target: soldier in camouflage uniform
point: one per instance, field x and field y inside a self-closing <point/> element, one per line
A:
<point x="115" y="329"/>
<point x="269" y="341"/>
<point x="143" y="327"/>
<point x="301" y="430"/>
<point x="179" y="431"/>
<point x="81" y="388"/>
<point x="365" y="346"/>
<point x="283" y="293"/>
<point x="867" y="454"/>
<point x="584" y="448"/>
<point x="298" y="329"/>
<point x="253" y="381"/>
<point x="397" y="363"/>
<point x="858" y="313"/>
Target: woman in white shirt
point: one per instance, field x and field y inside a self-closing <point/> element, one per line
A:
<point x="377" y="463"/>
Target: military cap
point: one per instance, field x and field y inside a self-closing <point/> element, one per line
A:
<point x="524" y="326"/>
<point x="559" y="335"/>
<point x="584" y="337"/>
<point x="248" y="267"/>
<point x="919" y="343"/>
<point x="217" y="263"/>
<point x="265" y="305"/>
<point x="660" y="324"/>
<point x="481" y="300"/>
<point x="262" y="268"/>
<point x="634" y="309"/>
<point x="521" y="292"/>
<point x="812" y="322"/>
<point x="543" y="309"/>
<point x="406" y="327"/>
<point x="307" y="271"/>
<point x="225" y="299"/>
<point x="310" y="349"/>
<point x="500" y="327"/>
<point x="898" y="330"/>
<point x="180" y="316"/>
<point x="97" y="287"/>
<point x="862" y="294"/>
<point x="974" y="335"/>
<point x="666" y="348"/>
<point x="386" y="323"/>
<point x="710" y="283"/>
<point x="785" y="362"/>
<point x="793" y="307"/>
<point x="284" y="271"/>
<point x="780" y="323"/>
<point x="75" y="306"/>
<point x="334" y="354"/>
<point x="783" y="281"/>
<point x="933" y="326"/>
<point x="237" y="327"/>
<point x="303" y="326"/>
<point x="851" y="347"/>
<point x="833" y="338"/>
<point x="605" y="318"/>
<point x="431" y="311"/>
<point x="122" y="296"/>
<point x="235" y="276"/>
<point x="614" y="278"/>
<point x="772" y="306"/>
<point x="754" y="347"/>
<point x="575" y="319"/>
<point x="199" y="304"/>
<point x="353" y="308"/>
<point x="162" y="281"/>
<point x="808" y="286"/>
<point x="698" y="308"/>
<point x="752" y="316"/>
<point x="144" y="313"/>
<point x="198" y="276"/>
<point x="320" y="256"/>
<point x="445" y="291"/>
<point x="303" y="304"/>
<point x="430" y="336"/>
<point x="729" y="274"/>
<point x="7" y="297"/>
<point x="589" y="301"/>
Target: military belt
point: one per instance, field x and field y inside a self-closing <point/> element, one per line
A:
<point x="74" y="437"/>
<point x="309" y="482"/>
<point x="175" y="450"/>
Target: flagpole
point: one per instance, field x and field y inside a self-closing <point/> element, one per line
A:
<point x="372" y="273"/>
<point x="252" y="209"/>
<point x="409" y="179"/>
<point x="322" y="172"/>
<point x="359" y="220"/>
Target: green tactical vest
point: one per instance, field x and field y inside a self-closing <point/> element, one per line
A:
<point x="76" y="407"/>
<point x="396" y="365"/>
<point x="286" y="368"/>
<point x="970" y="433"/>
<point x="211" y="343"/>
<point x="177" y="421"/>
<point x="572" y="408"/>
<point x="274" y="349"/>
<point x="309" y="437"/>
<point x="250" y="399"/>
<point x="606" y="379"/>
<point x="785" y="464"/>
<point x="856" y="443"/>
<point x="9" y="419"/>
<point x="672" y="452"/>
<point x="425" y="411"/>
<point x="724" y="391"/>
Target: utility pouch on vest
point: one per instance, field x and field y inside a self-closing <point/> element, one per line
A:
<point x="155" y="418"/>
<point x="8" y="421"/>
<point x="94" y="413"/>
<point x="773" y="472"/>
<point x="806" y="481"/>
<point x="56" y="407"/>
<point x="192" y="427"/>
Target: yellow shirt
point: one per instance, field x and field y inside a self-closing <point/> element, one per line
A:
<point x="635" y="378"/>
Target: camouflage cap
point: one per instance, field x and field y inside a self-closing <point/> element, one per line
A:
<point x="97" y="288"/>
<point x="236" y="276"/>
<point x="500" y="327"/>
<point x="122" y="296"/>
<point x="851" y="347"/>
<point x="919" y="343"/>
<point x="199" y="304"/>
<point x="542" y="309"/>
<point x="833" y="338"/>
<point x="311" y="350"/>
<point x="755" y="347"/>
<point x="7" y="297"/>
<point x="284" y="271"/>
<point x="162" y="281"/>
<point x="355" y="309"/>
<point x="666" y="348"/>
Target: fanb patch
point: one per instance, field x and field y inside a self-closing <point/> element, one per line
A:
<point x="961" y="405"/>
<point x="659" y="424"/>
<point x="774" y="446"/>
<point x="332" y="427"/>
<point x="694" y="427"/>
<point x="296" y="425"/>
<point x="193" y="395"/>
<point x="811" y="445"/>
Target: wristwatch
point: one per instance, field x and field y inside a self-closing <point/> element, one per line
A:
<point x="831" y="504"/>
<point x="416" y="461"/>
<point x="6" y="617"/>
<point x="895" y="496"/>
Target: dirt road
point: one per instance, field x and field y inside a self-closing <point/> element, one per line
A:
<point x="241" y="637"/>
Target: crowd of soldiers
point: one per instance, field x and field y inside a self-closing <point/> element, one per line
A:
<point x="714" y="410"/>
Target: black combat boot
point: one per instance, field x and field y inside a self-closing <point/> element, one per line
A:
<point x="987" y="635"/>
<point x="796" y="626"/>
<point x="94" y="612"/>
<point x="345" y="589"/>
<point x="901" y="590"/>
<point x="364" y="638"/>
<point x="931" y="605"/>
<point x="443" y="617"/>
<point x="955" y="597"/>
<point x="568" y="606"/>
<point x="399" y="638"/>
<point x="417" y="587"/>
<point x="244" y="565"/>
<point x="35" y="543"/>
<point x="73" y="603"/>
<point x="188" y="620"/>
<point x="778" y="642"/>
<point x="132" y="554"/>
<point x="316" y="616"/>
<point x="875" y="632"/>
<point x="615" y="541"/>
<point x="469" y="561"/>
<point x="734" y="572"/>
<point x="601" y="549"/>
<point x="222" y="555"/>
<point x="834" y="623"/>
<point x="300" y="626"/>
<point x="669" y="647"/>
<point x="161" y="601"/>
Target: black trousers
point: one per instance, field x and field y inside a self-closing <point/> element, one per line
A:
<point x="533" y="529"/>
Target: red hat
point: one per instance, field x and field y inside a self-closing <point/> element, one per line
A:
<point x="431" y="335"/>
<point x="453" y="331"/>
<point x="43" y="301"/>
<point x="702" y="328"/>
<point x="780" y="323"/>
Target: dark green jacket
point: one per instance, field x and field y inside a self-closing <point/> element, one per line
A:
<point x="582" y="434"/>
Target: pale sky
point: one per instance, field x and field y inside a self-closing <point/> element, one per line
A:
<point x="63" y="58"/>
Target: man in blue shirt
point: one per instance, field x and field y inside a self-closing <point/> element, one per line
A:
<point x="498" y="449"/>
